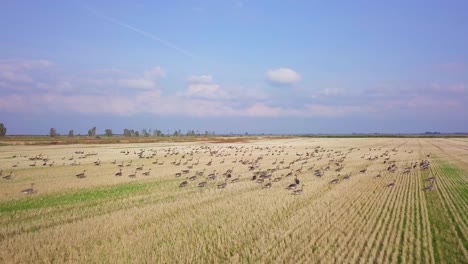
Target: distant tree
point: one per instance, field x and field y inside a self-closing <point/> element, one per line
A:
<point x="158" y="132"/>
<point x="71" y="133"/>
<point x="145" y="132"/>
<point x="53" y="132"/>
<point x="92" y="132"/>
<point x="207" y="133"/>
<point x="177" y="133"/>
<point x="136" y="133"/>
<point x="3" y="130"/>
<point x="109" y="132"/>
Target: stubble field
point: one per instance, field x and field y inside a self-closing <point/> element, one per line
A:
<point x="350" y="200"/>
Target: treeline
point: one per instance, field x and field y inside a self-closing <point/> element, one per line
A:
<point x="136" y="133"/>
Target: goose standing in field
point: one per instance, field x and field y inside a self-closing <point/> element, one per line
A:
<point x="335" y="181"/>
<point x="119" y="173"/>
<point x="277" y="179"/>
<point x="183" y="184"/>
<point x="391" y="185"/>
<point x="237" y="179"/>
<point x="202" y="184"/>
<point x="267" y="185"/>
<point x="292" y="186"/>
<point x="347" y="176"/>
<point x="29" y="190"/>
<point x="81" y="175"/>
<point x="298" y="191"/>
<point x="133" y="175"/>
<point x="7" y="177"/>
<point x="222" y="185"/>
<point x="147" y="173"/>
<point x="429" y="188"/>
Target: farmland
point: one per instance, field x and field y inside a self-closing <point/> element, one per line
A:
<point x="350" y="200"/>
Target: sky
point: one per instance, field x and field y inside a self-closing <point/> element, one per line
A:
<point x="234" y="66"/>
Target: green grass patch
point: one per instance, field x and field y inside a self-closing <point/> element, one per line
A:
<point x="457" y="174"/>
<point x="444" y="229"/>
<point x="36" y="202"/>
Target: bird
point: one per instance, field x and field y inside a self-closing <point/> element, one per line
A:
<point x="291" y="186"/>
<point x="147" y="173"/>
<point x="29" y="190"/>
<point x="133" y="175"/>
<point x="391" y="185"/>
<point x="81" y="175"/>
<point x="267" y="185"/>
<point x="202" y="184"/>
<point x="298" y="191"/>
<point x="222" y="185"/>
<point x="119" y="173"/>
<point x="7" y="177"/>
<point x="334" y="181"/>
<point x="183" y="184"/>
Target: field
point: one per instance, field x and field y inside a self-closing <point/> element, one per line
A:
<point x="351" y="200"/>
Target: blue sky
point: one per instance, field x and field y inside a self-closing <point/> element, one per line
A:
<point x="234" y="66"/>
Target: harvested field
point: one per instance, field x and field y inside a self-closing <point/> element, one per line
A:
<point x="350" y="200"/>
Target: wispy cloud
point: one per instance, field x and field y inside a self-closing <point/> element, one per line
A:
<point x="121" y="92"/>
<point x="140" y="32"/>
<point x="283" y="76"/>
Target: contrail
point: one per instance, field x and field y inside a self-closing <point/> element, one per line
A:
<point x="140" y="31"/>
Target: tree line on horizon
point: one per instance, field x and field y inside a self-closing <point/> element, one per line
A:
<point x="136" y="133"/>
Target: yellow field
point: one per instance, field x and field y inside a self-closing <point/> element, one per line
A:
<point x="120" y="219"/>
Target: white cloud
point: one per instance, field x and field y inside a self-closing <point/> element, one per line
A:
<point x="284" y="76"/>
<point x="156" y="72"/>
<point x="138" y="83"/>
<point x="200" y="79"/>
<point x="17" y="72"/>
<point x="210" y="90"/>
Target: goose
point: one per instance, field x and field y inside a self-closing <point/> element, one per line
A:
<point x="133" y="175"/>
<point x="298" y="191"/>
<point x="29" y="190"/>
<point x="347" y="176"/>
<point x="119" y="173"/>
<point x="7" y="177"/>
<point x="202" y="184"/>
<point x="81" y="175"/>
<point x="277" y="179"/>
<point x="235" y="179"/>
<point x="222" y="185"/>
<point x="334" y="181"/>
<point x="147" y="173"/>
<point x="429" y="188"/>
<point x="291" y="186"/>
<point x="391" y="185"/>
<point x="183" y="184"/>
<point x="193" y="178"/>
<point x="267" y="185"/>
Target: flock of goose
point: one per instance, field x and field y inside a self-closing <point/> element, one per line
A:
<point x="249" y="163"/>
